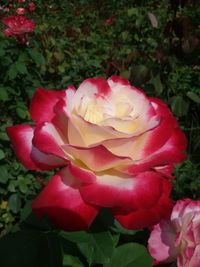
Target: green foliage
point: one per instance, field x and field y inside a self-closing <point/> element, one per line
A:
<point x="187" y="182"/>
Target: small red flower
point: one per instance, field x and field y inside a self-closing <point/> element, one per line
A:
<point x="109" y="21"/>
<point x="21" y="1"/>
<point x="20" y="11"/>
<point x="31" y="6"/>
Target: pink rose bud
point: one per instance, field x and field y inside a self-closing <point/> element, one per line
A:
<point x="21" y="1"/>
<point x="31" y="6"/>
<point x="22" y="39"/>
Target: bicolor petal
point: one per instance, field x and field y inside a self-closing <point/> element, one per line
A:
<point x="63" y="204"/>
<point x="21" y="137"/>
<point x="42" y="104"/>
<point x="114" y="189"/>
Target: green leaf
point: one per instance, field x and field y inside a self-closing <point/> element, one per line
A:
<point x="179" y="106"/>
<point x="71" y="261"/>
<point x="30" y="248"/>
<point x="140" y="74"/>
<point x="132" y="11"/>
<point x="37" y="57"/>
<point x="26" y="211"/>
<point x="96" y="247"/>
<point x="12" y="73"/>
<point x="194" y="97"/>
<point x="23" y="186"/>
<point x="121" y="230"/>
<point x="156" y="81"/>
<point x="129" y="255"/>
<point x="4" y="136"/>
<point x="21" y="67"/>
<point x="2" y="154"/>
<point x="12" y="186"/>
<point x="125" y="74"/>
<point x="2" y="52"/>
<point x="4" y="175"/>
<point x="14" y="203"/>
<point x="4" y="96"/>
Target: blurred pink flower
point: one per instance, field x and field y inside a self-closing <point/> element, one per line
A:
<point x="4" y="9"/>
<point x="179" y="237"/>
<point x="31" y="6"/>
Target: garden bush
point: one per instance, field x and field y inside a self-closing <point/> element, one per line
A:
<point x="155" y="45"/>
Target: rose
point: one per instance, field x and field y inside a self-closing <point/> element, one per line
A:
<point x="178" y="237"/>
<point x="119" y="147"/>
<point x="18" y="25"/>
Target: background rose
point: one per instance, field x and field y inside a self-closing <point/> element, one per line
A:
<point x="18" y="25"/>
<point x="120" y="147"/>
<point x="178" y="237"/>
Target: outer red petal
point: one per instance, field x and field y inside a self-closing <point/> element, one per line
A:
<point x="140" y="192"/>
<point x="82" y="174"/>
<point x="21" y="137"/>
<point x="42" y="104"/>
<point x="62" y="202"/>
<point x="146" y="217"/>
<point x="169" y="154"/>
<point x="167" y="128"/>
<point x="49" y="139"/>
<point x="118" y="80"/>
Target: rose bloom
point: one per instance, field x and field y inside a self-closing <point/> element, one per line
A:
<point x="118" y="148"/>
<point x="31" y="6"/>
<point x="18" y="25"/>
<point x="178" y="237"/>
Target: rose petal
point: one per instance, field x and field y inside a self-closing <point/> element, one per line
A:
<point x="194" y="260"/>
<point x="62" y="202"/>
<point x="113" y="189"/>
<point x="82" y="174"/>
<point x="42" y="104"/>
<point x="21" y="137"/>
<point x="95" y="158"/>
<point x="145" y="217"/>
<point x="161" y="242"/>
<point x="117" y="80"/>
<point x="83" y="133"/>
<point x="48" y="139"/>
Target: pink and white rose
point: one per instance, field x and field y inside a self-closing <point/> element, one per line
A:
<point x="118" y="148"/>
<point x="179" y="237"/>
